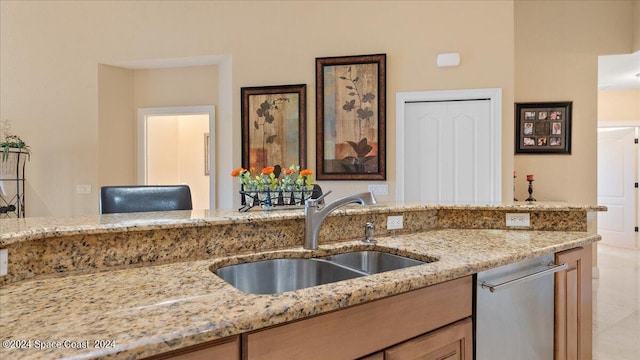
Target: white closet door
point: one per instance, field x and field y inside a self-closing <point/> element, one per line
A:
<point x="616" y="177"/>
<point x="449" y="152"/>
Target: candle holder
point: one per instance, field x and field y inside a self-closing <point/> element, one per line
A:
<point x="530" y="198"/>
<point x="514" y="188"/>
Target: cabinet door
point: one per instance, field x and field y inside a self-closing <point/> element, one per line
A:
<point x="573" y="305"/>
<point x="453" y="342"/>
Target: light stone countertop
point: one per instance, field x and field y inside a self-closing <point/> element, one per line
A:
<point x="32" y="228"/>
<point x="155" y="309"/>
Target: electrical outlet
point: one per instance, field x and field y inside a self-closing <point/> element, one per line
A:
<point x="4" y="261"/>
<point x="379" y="189"/>
<point x="518" y="220"/>
<point x="394" y="222"/>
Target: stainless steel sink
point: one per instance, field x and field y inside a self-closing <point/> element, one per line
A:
<point x="280" y="275"/>
<point x="373" y="262"/>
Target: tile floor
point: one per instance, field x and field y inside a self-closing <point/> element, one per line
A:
<point x="616" y="305"/>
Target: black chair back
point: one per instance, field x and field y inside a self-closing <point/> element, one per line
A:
<point x="142" y="198"/>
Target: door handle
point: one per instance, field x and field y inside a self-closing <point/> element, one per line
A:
<point x="551" y="270"/>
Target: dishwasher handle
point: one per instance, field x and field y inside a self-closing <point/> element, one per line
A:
<point x="551" y="270"/>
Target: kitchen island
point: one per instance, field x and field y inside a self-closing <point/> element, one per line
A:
<point x="139" y="285"/>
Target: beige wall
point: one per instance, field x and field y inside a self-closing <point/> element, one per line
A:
<point x="636" y="25"/>
<point x="177" y="86"/>
<point x="116" y="113"/>
<point x="619" y="105"/>
<point x="50" y="54"/>
<point x="557" y="48"/>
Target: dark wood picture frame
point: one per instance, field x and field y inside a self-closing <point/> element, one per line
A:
<point x="274" y="126"/>
<point x="351" y="117"/>
<point x="543" y="128"/>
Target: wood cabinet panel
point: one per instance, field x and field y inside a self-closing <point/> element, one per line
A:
<point x="453" y="342"/>
<point x="573" y="304"/>
<point x="376" y="356"/>
<point x="224" y="349"/>
<point x="364" y="329"/>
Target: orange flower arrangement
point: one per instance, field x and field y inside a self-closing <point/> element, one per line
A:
<point x="237" y="171"/>
<point x="292" y="179"/>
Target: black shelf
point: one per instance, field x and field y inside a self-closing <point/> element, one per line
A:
<point x="12" y="182"/>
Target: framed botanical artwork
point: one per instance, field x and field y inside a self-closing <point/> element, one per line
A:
<point x="543" y="128"/>
<point x="351" y="117"/>
<point x="274" y="122"/>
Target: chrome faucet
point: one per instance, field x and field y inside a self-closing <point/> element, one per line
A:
<point x="314" y="216"/>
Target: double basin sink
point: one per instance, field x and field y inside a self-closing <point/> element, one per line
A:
<point x="276" y="276"/>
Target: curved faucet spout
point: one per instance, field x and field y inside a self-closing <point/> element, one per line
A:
<point x="314" y="217"/>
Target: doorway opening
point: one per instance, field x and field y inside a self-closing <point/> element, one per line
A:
<point x="176" y="148"/>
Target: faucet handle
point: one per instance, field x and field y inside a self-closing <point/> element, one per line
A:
<point x="368" y="233"/>
<point x="314" y="202"/>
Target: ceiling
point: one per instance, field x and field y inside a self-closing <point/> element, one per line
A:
<point x="619" y="72"/>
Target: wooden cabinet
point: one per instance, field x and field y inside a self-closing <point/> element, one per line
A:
<point x="453" y="342"/>
<point x="376" y="356"/>
<point x="573" y="319"/>
<point x="365" y="329"/>
<point x="223" y="349"/>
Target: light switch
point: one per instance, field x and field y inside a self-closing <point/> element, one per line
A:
<point x="83" y="189"/>
<point x="382" y="189"/>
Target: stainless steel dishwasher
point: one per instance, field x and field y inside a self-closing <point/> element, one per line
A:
<point x="514" y="311"/>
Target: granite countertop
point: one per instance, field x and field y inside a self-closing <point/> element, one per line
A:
<point x="155" y="309"/>
<point x="25" y="229"/>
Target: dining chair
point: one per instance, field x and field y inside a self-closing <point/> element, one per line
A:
<point x="142" y="198"/>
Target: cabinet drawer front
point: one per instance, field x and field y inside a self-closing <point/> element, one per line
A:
<point x="449" y="343"/>
<point x="363" y="329"/>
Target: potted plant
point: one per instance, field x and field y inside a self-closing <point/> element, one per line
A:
<point x="268" y="188"/>
<point x="11" y="143"/>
